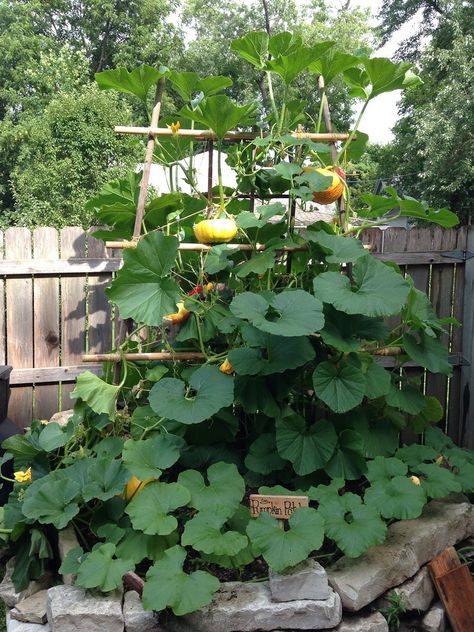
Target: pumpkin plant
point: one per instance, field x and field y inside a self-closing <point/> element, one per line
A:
<point x="288" y="395"/>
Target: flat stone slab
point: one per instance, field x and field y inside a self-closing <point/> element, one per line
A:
<point x="8" y="592"/>
<point x="416" y="594"/>
<point x="375" y="622"/>
<point x="248" y="607"/>
<point x="435" y="619"/>
<point x="32" y="609"/>
<point x="307" y="580"/>
<point x="136" y="618"/>
<point x="20" y="626"/>
<point x="410" y="544"/>
<point x="71" y="608"/>
<point x="67" y="541"/>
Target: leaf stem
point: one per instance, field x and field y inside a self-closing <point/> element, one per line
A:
<point x="353" y="132"/>
<point x="271" y="95"/>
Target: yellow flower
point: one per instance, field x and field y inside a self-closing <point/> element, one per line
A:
<point x="415" y="480"/>
<point x="209" y="287"/>
<point x="45" y="422"/>
<point x="174" y="127"/>
<point x="23" y="477"/>
<point x="226" y="367"/>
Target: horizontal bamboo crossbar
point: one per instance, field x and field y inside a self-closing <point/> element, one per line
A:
<point x="179" y="356"/>
<point x="78" y="266"/>
<point x="208" y="134"/>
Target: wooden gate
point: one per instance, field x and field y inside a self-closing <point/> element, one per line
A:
<point x="53" y="309"/>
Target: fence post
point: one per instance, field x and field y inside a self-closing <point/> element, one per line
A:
<point x="467" y="372"/>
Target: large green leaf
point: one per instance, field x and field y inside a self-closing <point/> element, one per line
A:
<point x="382" y="469"/>
<point x="308" y="448"/>
<point x="379" y="435"/>
<point x="217" y="259"/>
<point x="340" y="385"/>
<point x="348" y="460"/>
<point x="277" y="355"/>
<point x="258" y="263"/>
<point x="337" y="249"/>
<point x="333" y="63"/>
<point x="137" y="546"/>
<point x="146" y="458"/>
<point x="253" y="47"/>
<point x="428" y="352"/>
<point x="415" y="454"/>
<point x="101" y="570"/>
<point x="208" y="391"/>
<point x="206" y="533"/>
<point x="353" y="526"/>
<point x="150" y="510"/>
<point x="142" y="289"/>
<point x="431" y="413"/>
<point x="168" y="586"/>
<point x="220" y="114"/>
<point x="137" y="82"/>
<point x="187" y="84"/>
<point x="377" y="291"/>
<point x="106" y="479"/>
<point x="263" y="456"/>
<point x="409" y="399"/>
<point x="377" y="381"/>
<point x="99" y="395"/>
<point x="53" y="436"/>
<point x="276" y="313"/>
<point x="282" y="549"/>
<point x="52" y="502"/>
<point x="289" y="66"/>
<point x="437" y="481"/>
<point x="380" y="75"/>
<point x="225" y="488"/>
<point x="398" y="498"/>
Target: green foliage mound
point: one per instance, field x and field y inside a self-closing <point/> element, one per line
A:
<point x="286" y="393"/>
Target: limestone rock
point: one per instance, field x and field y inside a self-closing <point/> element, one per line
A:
<point x="71" y="608"/>
<point x="62" y="417"/>
<point x="375" y="622"/>
<point x="136" y="618"/>
<point x="416" y="594"/>
<point x="7" y="590"/>
<point x="307" y="580"/>
<point x="410" y="544"/>
<point x="434" y="620"/>
<point x="32" y="609"/>
<point x="67" y="541"/>
<point x="248" y="607"/>
<point x="21" y="626"/>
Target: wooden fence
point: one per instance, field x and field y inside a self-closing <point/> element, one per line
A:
<point x="53" y="309"/>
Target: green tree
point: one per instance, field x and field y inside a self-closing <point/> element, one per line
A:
<point x="431" y="155"/>
<point x="66" y="155"/>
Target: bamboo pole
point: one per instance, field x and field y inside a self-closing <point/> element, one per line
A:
<point x="207" y="247"/>
<point x="178" y="356"/>
<point x="207" y="134"/>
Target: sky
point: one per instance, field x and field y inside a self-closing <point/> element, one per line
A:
<point x="382" y="113"/>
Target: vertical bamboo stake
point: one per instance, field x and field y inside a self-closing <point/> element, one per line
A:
<point x="328" y="125"/>
<point x="210" y="158"/>
<point x="137" y="229"/>
<point x="150" y="148"/>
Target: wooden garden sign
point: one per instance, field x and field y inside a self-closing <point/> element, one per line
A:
<point x="280" y="507"/>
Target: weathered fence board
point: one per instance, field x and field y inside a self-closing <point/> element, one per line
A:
<point x="73" y="307"/>
<point x="46" y="322"/>
<point x="54" y="310"/>
<point x="19" y="316"/>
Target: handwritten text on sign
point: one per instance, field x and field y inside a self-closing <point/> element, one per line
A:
<point x="281" y="507"/>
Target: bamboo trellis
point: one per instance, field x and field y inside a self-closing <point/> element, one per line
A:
<point x="152" y="132"/>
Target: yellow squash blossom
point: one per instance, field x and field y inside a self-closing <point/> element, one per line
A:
<point x="415" y="480"/>
<point x="226" y="367"/>
<point x="174" y="127"/>
<point x="23" y="477"/>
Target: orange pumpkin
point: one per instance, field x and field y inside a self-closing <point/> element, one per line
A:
<point x="334" y="191"/>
